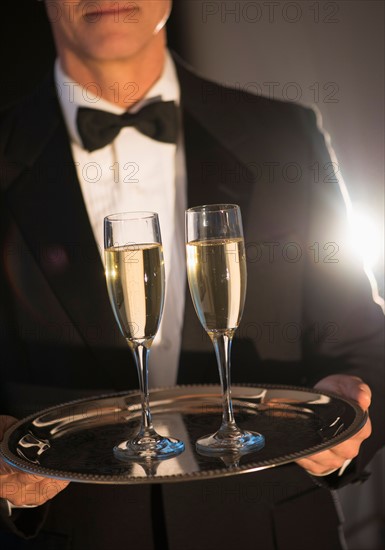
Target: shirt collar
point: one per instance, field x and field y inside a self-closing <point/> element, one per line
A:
<point x="72" y="96"/>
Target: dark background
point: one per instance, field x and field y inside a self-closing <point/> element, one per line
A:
<point x="329" y="54"/>
<point x="325" y="54"/>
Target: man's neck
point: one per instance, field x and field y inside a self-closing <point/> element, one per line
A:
<point x="121" y="82"/>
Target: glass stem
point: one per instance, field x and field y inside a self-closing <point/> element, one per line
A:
<point x="222" y="345"/>
<point x="141" y="353"/>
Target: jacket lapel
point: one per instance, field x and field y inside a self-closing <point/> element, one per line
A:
<point x="48" y="206"/>
<point x="223" y="164"/>
<point x="47" y="203"/>
<point x="207" y="165"/>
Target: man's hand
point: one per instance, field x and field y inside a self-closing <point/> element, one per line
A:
<point x="326" y="461"/>
<point x="24" y="489"/>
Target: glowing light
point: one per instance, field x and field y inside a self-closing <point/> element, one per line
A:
<point x="367" y="238"/>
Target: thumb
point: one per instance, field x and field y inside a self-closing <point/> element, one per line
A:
<point x="348" y="386"/>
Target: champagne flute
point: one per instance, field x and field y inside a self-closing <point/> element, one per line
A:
<point x="216" y="270"/>
<point x="136" y="286"/>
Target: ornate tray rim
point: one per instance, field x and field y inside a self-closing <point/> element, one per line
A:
<point x="13" y="460"/>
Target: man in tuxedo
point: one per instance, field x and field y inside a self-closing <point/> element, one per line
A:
<point x="309" y="319"/>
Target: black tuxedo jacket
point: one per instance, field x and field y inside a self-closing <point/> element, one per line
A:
<point x="309" y="312"/>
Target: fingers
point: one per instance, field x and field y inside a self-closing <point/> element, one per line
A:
<point x="326" y="461"/>
<point x="353" y="388"/>
<point x="348" y="386"/>
<point x="21" y="488"/>
<point x="35" y="493"/>
<point x="318" y="468"/>
<point x="356" y="389"/>
<point x="49" y="488"/>
<point x="364" y="433"/>
<point x="335" y="457"/>
<point x="28" y="479"/>
<point x="363" y="396"/>
<point x="5" y="469"/>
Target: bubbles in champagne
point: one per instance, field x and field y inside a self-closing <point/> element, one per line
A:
<point x="135" y="282"/>
<point x="217" y="278"/>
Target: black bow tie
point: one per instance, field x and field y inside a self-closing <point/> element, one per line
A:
<point x="158" y="120"/>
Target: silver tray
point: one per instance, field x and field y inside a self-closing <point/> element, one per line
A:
<point x="74" y="441"/>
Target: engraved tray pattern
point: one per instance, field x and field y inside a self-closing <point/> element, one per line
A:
<point x="74" y="441"/>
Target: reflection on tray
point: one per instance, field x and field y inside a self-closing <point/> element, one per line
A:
<point x="328" y="432"/>
<point x="31" y="448"/>
<point x="74" y="441"/>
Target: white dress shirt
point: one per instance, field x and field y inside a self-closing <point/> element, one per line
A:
<point x="137" y="173"/>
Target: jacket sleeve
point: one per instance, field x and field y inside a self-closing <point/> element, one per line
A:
<point x="22" y="523"/>
<point x="342" y="312"/>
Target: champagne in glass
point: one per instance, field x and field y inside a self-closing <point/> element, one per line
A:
<point x="216" y="269"/>
<point x="136" y="286"/>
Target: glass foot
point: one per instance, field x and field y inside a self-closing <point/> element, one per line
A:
<point x="145" y="448"/>
<point x="230" y="441"/>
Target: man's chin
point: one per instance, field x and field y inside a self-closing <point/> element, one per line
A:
<point x="112" y="48"/>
